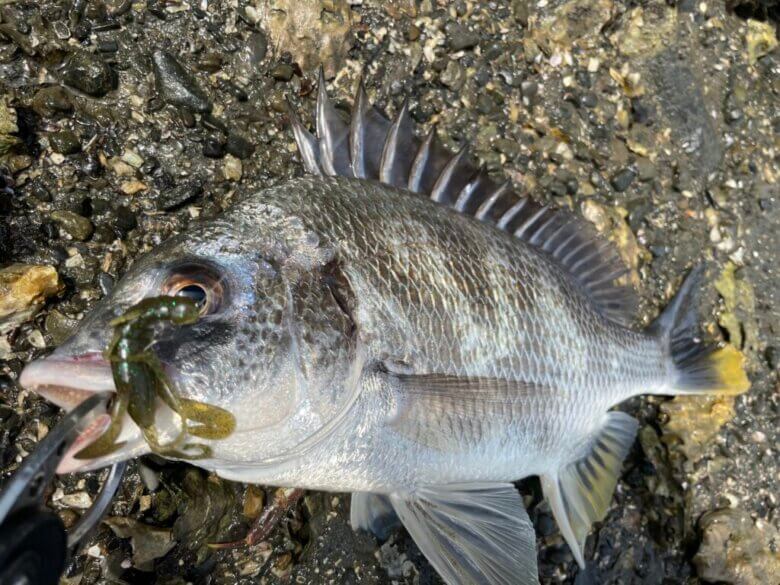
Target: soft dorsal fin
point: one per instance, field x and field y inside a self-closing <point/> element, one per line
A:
<point x="373" y="147"/>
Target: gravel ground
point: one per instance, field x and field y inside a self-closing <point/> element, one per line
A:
<point x="122" y="121"/>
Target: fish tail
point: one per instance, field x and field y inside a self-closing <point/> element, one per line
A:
<point x="699" y="368"/>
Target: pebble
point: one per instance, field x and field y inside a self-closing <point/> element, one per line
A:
<point x="88" y="73"/>
<point x="176" y="86"/>
<point x="65" y="142"/>
<point x="214" y="146"/>
<point x="179" y="195"/>
<point x="132" y="187"/>
<point x="132" y="158"/>
<point x="125" y="219"/>
<point x="453" y="75"/>
<point x="459" y="37"/>
<point x="80" y="500"/>
<point x="24" y="287"/>
<point x="282" y="72"/>
<point x="645" y="169"/>
<point x="622" y="180"/>
<point x="239" y="146"/>
<point x="49" y="101"/>
<point x="232" y="168"/>
<point x="76" y="226"/>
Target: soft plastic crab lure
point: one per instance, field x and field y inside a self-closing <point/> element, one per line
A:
<point x="140" y="380"/>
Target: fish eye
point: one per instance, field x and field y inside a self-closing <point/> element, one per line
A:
<point x="200" y="284"/>
<point x="194" y="292"/>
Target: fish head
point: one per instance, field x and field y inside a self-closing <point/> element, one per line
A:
<point x="273" y="345"/>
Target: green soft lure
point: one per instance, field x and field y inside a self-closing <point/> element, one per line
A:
<point x="140" y="380"/>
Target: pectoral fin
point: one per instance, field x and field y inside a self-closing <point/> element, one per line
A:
<point x="580" y="493"/>
<point x="373" y="513"/>
<point x="472" y="533"/>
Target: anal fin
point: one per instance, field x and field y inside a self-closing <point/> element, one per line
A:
<point x="580" y="492"/>
<point x="472" y="533"/>
<point x="373" y="513"/>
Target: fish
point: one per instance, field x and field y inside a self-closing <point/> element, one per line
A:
<point x="396" y="324"/>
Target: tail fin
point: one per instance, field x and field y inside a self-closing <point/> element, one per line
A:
<point x="700" y="368"/>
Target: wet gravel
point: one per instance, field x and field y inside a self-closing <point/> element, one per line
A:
<point x="121" y="122"/>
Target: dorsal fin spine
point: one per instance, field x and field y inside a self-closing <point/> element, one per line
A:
<point x="441" y="187"/>
<point x="357" y="132"/>
<point x="420" y="160"/>
<point x="372" y="147"/>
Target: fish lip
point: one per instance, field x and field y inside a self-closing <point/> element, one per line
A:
<point x="68" y="381"/>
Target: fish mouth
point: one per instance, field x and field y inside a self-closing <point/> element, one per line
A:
<point x="67" y="382"/>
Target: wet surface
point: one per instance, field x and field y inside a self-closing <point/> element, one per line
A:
<point x="121" y="122"/>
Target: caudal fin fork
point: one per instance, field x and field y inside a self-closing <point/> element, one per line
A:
<point x="700" y="368"/>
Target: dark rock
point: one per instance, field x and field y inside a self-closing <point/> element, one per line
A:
<point x="180" y="195"/>
<point x="589" y="100"/>
<point x="282" y="72"/>
<point x="88" y="73"/>
<point x="622" y="180"/>
<point x="239" y="146"/>
<point x="126" y="219"/>
<point x="459" y="37"/>
<point x="76" y="226"/>
<point x="641" y="112"/>
<point x="214" y="146"/>
<point x="65" y="142"/>
<point x="49" y="101"/>
<point x="176" y="86"/>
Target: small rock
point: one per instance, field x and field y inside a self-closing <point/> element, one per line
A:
<point x="214" y="146"/>
<point x="282" y="72"/>
<point x="459" y="37"/>
<point x="49" y="101"/>
<point x="239" y="146"/>
<point x="232" y="168"/>
<point x="148" y="542"/>
<point x="65" y="142"/>
<point x="126" y="219"/>
<point x="645" y="169"/>
<point x="77" y="227"/>
<point x="80" y="500"/>
<point x="176" y="86"/>
<point x="88" y="73"/>
<point x="453" y="75"/>
<point x="622" y="180"/>
<point x="179" y="195"/>
<point x="132" y="187"/>
<point x="23" y="290"/>
<point x="132" y="158"/>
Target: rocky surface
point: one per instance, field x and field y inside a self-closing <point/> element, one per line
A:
<point x="121" y="122"/>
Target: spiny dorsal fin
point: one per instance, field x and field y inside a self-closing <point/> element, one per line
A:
<point x="373" y="147"/>
<point x="581" y="491"/>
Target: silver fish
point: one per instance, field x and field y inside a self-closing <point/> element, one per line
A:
<point x="397" y="325"/>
